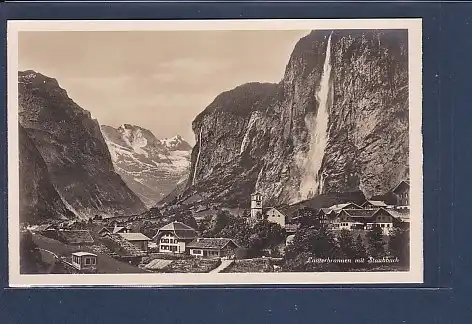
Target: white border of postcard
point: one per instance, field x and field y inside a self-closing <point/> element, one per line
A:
<point x="415" y="275"/>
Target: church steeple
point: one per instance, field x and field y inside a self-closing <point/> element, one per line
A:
<point x="256" y="205"/>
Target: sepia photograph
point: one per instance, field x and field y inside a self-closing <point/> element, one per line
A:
<point x="215" y="152"/>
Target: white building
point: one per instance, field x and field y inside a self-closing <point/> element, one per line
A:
<point x="275" y="216"/>
<point x="174" y="237"/>
<point x="84" y="261"/>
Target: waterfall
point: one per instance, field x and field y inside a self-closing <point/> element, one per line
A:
<point x="198" y="155"/>
<point x="312" y="183"/>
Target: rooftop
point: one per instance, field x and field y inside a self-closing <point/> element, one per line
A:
<point x="377" y="203"/>
<point x="79" y="254"/>
<point x="175" y="226"/>
<point x="344" y="206"/>
<point x="211" y="243"/>
<point x="180" y="230"/>
<point x="403" y="214"/>
<point x="158" y="264"/>
<point x="134" y="236"/>
<point x="118" y="229"/>
<point x="401" y="184"/>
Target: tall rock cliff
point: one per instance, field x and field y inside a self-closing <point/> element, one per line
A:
<point x="152" y="168"/>
<point x="73" y="149"/>
<point x="337" y="122"/>
<point x="39" y="200"/>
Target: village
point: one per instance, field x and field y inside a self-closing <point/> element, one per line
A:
<point x="138" y="244"/>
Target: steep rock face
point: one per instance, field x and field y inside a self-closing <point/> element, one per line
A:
<point x="150" y="167"/>
<point x="232" y="140"/>
<point x="262" y="136"/>
<point x="73" y="149"/>
<point x="39" y="200"/>
<point x="368" y="135"/>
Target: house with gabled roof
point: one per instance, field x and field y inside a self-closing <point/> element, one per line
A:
<point x="273" y="215"/>
<point x="326" y="215"/>
<point x="364" y="219"/>
<point x="213" y="247"/>
<point x="174" y="237"/>
<point x="137" y="239"/>
<point x="402" y="193"/>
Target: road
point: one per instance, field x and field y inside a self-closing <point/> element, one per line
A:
<point x="105" y="264"/>
<point x="224" y="264"/>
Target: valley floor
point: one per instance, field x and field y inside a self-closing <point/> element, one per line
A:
<point x="106" y="264"/>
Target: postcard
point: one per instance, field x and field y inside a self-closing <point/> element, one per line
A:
<point x="214" y="152"/>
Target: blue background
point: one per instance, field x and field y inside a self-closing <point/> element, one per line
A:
<point x="447" y="94"/>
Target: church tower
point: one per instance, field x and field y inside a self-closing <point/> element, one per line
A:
<point x="256" y="205"/>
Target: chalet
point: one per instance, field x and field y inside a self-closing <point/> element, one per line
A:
<point x="84" y="261"/>
<point x="402" y="193"/>
<point x="212" y="247"/>
<point x="137" y="239"/>
<point x="275" y="216"/>
<point x="126" y="248"/>
<point x="364" y="219"/>
<point x="369" y="204"/>
<point x="174" y="237"/>
<point x="326" y="216"/>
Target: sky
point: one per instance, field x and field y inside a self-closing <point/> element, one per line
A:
<point x="159" y="80"/>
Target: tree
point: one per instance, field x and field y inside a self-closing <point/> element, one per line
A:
<point x="399" y="245"/>
<point x="265" y="235"/>
<point x="187" y="218"/>
<point x="30" y="256"/>
<point x="361" y="252"/>
<point x="220" y="221"/>
<point x="347" y="248"/>
<point x="307" y="217"/>
<point x="153" y="212"/>
<point x="238" y="229"/>
<point x="376" y="244"/>
<point x="309" y="244"/>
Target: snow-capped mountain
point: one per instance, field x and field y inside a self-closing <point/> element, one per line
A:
<point x="149" y="166"/>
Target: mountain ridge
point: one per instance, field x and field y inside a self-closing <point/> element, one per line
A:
<point x="151" y="167"/>
<point x="72" y="147"/>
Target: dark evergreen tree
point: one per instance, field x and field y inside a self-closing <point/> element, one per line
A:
<point x="347" y="248"/>
<point x="306" y="217"/>
<point x="399" y="245"/>
<point x="309" y="244"/>
<point x="361" y="252"/>
<point x="376" y="243"/>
